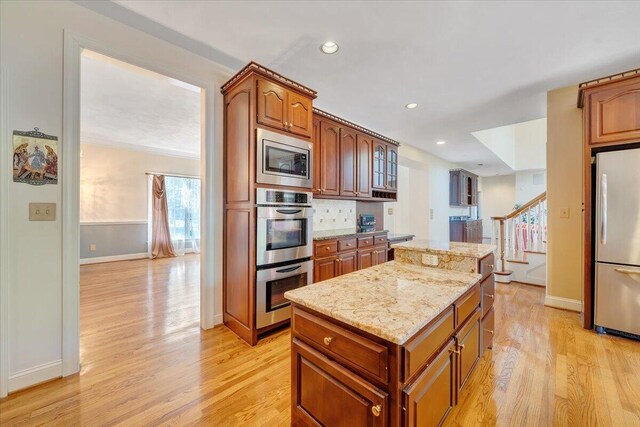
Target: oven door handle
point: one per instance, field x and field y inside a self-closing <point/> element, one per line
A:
<point x="288" y="270"/>
<point x="289" y="211"/>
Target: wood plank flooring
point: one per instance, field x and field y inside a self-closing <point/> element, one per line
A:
<point x="145" y="361"/>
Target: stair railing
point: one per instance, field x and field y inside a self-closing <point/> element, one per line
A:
<point x="523" y="229"/>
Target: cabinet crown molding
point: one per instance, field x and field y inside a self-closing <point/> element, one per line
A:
<point x="254" y="67"/>
<point x="355" y="126"/>
<point x="625" y="75"/>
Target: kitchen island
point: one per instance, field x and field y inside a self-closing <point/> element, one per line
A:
<point x="393" y="344"/>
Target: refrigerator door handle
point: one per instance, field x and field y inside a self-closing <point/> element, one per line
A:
<point x="627" y="271"/>
<point x="603" y="207"/>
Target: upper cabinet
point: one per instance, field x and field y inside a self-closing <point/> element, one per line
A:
<point x="284" y="109"/>
<point x="352" y="162"/>
<point x="613" y="114"/>
<point x="463" y="188"/>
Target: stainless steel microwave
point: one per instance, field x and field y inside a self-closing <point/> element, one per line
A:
<point x="283" y="160"/>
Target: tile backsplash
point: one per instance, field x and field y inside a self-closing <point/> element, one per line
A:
<point x="333" y="214"/>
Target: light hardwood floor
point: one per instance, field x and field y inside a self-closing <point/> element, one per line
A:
<point x="145" y="361"/>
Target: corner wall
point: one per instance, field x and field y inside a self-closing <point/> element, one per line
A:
<point x="564" y="190"/>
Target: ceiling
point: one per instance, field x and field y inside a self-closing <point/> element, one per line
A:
<point x="130" y="107"/>
<point x="469" y="65"/>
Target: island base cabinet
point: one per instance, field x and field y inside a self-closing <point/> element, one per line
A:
<point x="430" y="398"/>
<point x="468" y="341"/>
<point x="326" y="394"/>
<point x="488" y="324"/>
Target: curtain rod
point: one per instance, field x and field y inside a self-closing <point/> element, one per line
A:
<point x="175" y="175"/>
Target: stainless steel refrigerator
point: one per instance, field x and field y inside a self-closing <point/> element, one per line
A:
<point x="617" y="274"/>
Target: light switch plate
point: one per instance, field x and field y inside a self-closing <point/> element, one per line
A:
<point x="42" y="211"/>
<point x="428" y="259"/>
<point x="564" y="212"/>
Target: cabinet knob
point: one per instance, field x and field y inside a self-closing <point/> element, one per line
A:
<point x="489" y="330"/>
<point x="460" y="346"/>
<point x="490" y="296"/>
<point x="490" y="266"/>
<point x="328" y="248"/>
<point x="286" y="125"/>
<point x="376" y="410"/>
<point x="327" y="340"/>
<point x="454" y="351"/>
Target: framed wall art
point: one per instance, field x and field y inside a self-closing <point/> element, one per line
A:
<point x="35" y="157"/>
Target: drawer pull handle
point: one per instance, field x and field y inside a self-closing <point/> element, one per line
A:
<point x="490" y="296"/>
<point x="489" y="330"/>
<point x="454" y="351"/>
<point x="627" y="271"/>
<point x="460" y="346"/>
<point x="328" y="340"/>
<point x="376" y="410"/>
<point x="348" y="244"/>
<point x="328" y="248"/>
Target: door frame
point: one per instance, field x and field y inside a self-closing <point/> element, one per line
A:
<point x="5" y="141"/>
<point x="211" y="207"/>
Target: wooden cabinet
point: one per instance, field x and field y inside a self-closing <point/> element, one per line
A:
<point x="348" y="262"/>
<point x="463" y="188"/>
<point x="430" y="398"/>
<point x="614" y="113"/>
<point x="327" y="159"/>
<point x="352" y="162"/>
<point x="284" y="109"/>
<point x="363" y="166"/>
<point x="326" y="268"/>
<point x="343" y="376"/>
<point x="469" y="231"/>
<point x="325" y="393"/>
<point x="335" y="257"/>
<point x="348" y="163"/>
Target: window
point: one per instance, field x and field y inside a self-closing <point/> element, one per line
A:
<point x="183" y="206"/>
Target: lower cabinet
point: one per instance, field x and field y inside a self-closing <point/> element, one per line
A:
<point x="348" y="262"/>
<point x="488" y="325"/>
<point x="430" y="398"/>
<point x="365" y="258"/>
<point x="469" y="349"/>
<point x="325" y="268"/>
<point x="325" y="393"/>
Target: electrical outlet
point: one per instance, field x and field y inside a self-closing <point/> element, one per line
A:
<point x="390" y="211"/>
<point x="564" y="212"/>
<point x="92" y="247"/>
<point x="42" y="211"/>
<point x="428" y="259"/>
<point x="430" y="213"/>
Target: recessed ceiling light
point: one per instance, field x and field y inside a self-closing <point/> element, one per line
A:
<point x="411" y="106"/>
<point x="329" y="47"/>
<point x="441" y="142"/>
<point x="480" y="164"/>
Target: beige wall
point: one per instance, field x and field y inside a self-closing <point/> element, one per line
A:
<point x="113" y="184"/>
<point x="564" y="190"/>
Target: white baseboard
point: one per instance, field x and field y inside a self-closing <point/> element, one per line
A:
<point x="101" y="259"/>
<point x="563" y="303"/>
<point x="36" y="375"/>
<point x="217" y="319"/>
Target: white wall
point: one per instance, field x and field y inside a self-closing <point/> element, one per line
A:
<point x="497" y="198"/>
<point x="530" y="145"/>
<point x="113" y="184"/>
<point x="31" y="52"/>
<point x="423" y="185"/>
<point x="530" y="184"/>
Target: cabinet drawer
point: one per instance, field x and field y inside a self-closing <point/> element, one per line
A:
<point x="488" y="294"/>
<point x="380" y="240"/>
<point x="345" y="346"/>
<point x="347" y="244"/>
<point x="365" y="242"/>
<point x="466" y="305"/>
<point x="488" y="329"/>
<point x="324" y="248"/>
<point x="423" y="347"/>
<point x="328" y="394"/>
<point x="486" y="266"/>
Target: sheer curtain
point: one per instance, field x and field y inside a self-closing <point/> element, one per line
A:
<point x="183" y="207"/>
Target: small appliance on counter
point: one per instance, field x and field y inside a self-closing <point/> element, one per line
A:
<point x="366" y="223"/>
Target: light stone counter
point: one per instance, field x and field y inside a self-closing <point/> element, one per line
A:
<point x="392" y="301"/>
<point x="457" y="256"/>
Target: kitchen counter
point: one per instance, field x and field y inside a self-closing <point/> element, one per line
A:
<point x="399" y="237"/>
<point x="474" y="250"/>
<point x="392" y="301"/>
<point x="344" y="232"/>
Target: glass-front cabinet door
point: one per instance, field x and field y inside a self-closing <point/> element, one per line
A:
<point x="392" y="168"/>
<point x="379" y="164"/>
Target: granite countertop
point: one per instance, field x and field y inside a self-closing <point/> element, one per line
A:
<point x="399" y="236"/>
<point x="474" y="250"/>
<point x="392" y="301"/>
<point x="344" y="232"/>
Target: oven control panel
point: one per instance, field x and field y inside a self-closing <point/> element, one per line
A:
<point x="267" y="196"/>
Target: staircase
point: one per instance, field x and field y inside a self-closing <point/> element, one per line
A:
<point x="521" y="238"/>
